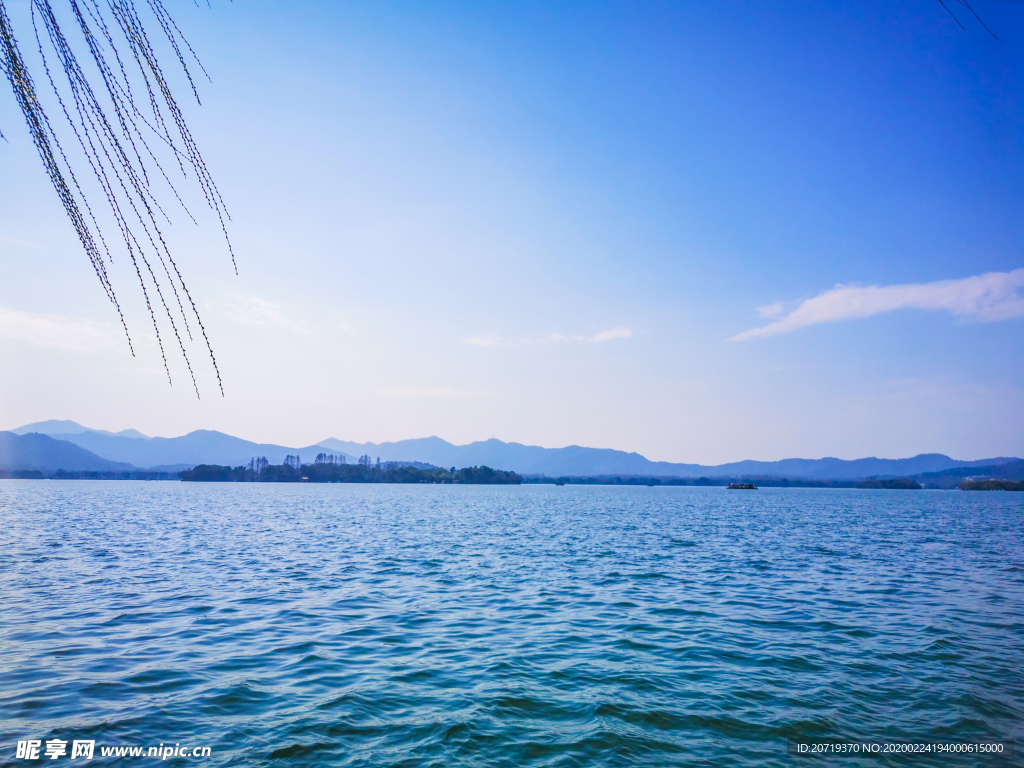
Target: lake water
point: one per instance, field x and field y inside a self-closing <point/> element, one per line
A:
<point x="385" y="625"/>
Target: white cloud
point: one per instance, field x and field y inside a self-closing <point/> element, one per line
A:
<point x="609" y="335"/>
<point x="58" y="332"/>
<point x="772" y="311"/>
<point x="444" y="393"/>
<point x="482" y="341"/>
<point x="348" y="330"/>
<point x="20" y="243"/>
<point x="990" y="297"/>
<point x="259" y="313"/>
<point x="556" y="337"/>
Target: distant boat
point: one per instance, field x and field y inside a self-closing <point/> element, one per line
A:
<point x="559" y="483"/>
<point x="741" y="487"/>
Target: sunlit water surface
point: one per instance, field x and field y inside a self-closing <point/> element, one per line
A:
<point x="375" y="625"/>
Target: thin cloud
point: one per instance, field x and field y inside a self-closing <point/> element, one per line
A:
<point x="443" y="393"/>
<point x="772" y="311"/>
<point x="558" y="337"/>
<point x="57" y="332"/>
<point x="609" y="335"/>
<point x="483" y="341"/>
<point x="348" y="329"/>
<point x="259" y="313"/>
<point x="20" y="243"/>
<point x="989" y="297"/>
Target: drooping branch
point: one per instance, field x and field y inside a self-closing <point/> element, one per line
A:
<point x="974" y="13"/>
<point x="117" y="151"/>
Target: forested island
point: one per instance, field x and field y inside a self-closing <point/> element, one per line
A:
<point x="260" y="471"/>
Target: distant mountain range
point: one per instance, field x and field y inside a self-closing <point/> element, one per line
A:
<point x="950" y="478"/>
<point x="168" y="454"/>
<point x="67" y="427"/>
<point x="130" y="447"/>
<point x="41" y="452"/>
<point x="577" y="461"/>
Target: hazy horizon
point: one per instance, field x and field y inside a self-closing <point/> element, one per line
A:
<point x="320" y="441"/>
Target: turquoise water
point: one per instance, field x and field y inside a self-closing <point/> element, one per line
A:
<point x="374" y="625"/>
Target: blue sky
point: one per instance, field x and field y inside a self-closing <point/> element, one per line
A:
<point x="564" y="223"/>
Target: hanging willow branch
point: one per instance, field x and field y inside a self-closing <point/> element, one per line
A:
<point x="117" y="149"/>
<point x="973" y="12"/>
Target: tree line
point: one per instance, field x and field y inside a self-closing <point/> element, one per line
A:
<point x="890" y="483"/>
<point x="991" y="485"/>
<point x="261" y="471"/>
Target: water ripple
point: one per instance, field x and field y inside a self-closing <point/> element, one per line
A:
<point x="527" y="626"/>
